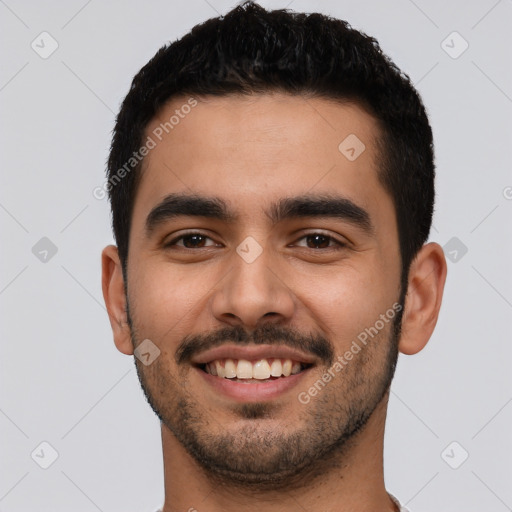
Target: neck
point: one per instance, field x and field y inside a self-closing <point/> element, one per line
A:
<point x="352" y="481"/>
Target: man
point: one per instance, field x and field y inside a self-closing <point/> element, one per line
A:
<point x="271" y="179"/>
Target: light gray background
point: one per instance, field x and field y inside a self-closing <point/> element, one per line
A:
<point x="62" y="380"/>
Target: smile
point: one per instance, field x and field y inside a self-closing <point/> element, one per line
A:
<point x="242" y="370"/>
<point x="243" y="386"/>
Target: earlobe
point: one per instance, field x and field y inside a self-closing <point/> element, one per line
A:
<point x="115" y="298"/>
<point x="427" y="276"/>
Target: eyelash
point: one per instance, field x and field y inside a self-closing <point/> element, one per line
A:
<point x="339" y="245"/>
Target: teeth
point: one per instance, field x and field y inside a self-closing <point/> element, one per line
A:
<point x="220" y="369"/>
<point x="261" y="370"/>
<point x="258" y="370"/>
<point x="296" y="368"/>
<point x="244" y="369"/>
<point x="287" y="368"/>
<point x="277" y="368"/>
<point x="230" y="368"/>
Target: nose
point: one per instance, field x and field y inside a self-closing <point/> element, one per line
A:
<point x="253" y="292"/>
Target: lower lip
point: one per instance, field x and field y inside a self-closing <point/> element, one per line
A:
<point x="253" y="391"/>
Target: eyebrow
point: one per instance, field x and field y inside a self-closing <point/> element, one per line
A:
<point x="317" y="206"/>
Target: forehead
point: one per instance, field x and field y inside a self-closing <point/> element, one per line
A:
<point x="255" y="149"/>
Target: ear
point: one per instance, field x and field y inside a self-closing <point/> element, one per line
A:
<point x="427" y="276"/>
<point x="115" y="298"/>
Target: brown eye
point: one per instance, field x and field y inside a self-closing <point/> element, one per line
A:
<point x="190" y="241"/>
<point x="317" y="241"/>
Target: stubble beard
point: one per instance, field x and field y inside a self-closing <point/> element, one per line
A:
<point x="260" y="455"/>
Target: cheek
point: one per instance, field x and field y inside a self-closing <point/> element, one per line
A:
<point x="345" y="301"/>
<point x="166" y="296"/>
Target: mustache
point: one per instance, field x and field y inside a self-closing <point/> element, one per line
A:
<point x="270" y="334"/>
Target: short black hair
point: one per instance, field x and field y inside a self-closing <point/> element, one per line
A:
<point x="252" y="50"/>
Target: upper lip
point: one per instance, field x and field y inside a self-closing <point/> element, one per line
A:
<point x="251" y="353"/>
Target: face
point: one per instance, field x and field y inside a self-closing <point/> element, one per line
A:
<point x="287" y="248"/>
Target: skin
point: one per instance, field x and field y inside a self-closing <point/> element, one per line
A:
<point x="252" y="151"/>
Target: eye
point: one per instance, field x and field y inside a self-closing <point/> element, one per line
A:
<point x="192" y="240"/>
<point x="321" y="241"/>
<point x="197" y="240"/>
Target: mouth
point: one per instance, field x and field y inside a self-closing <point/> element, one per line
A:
<point x="256" y="371"/>
<point x="256" y="380"/>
